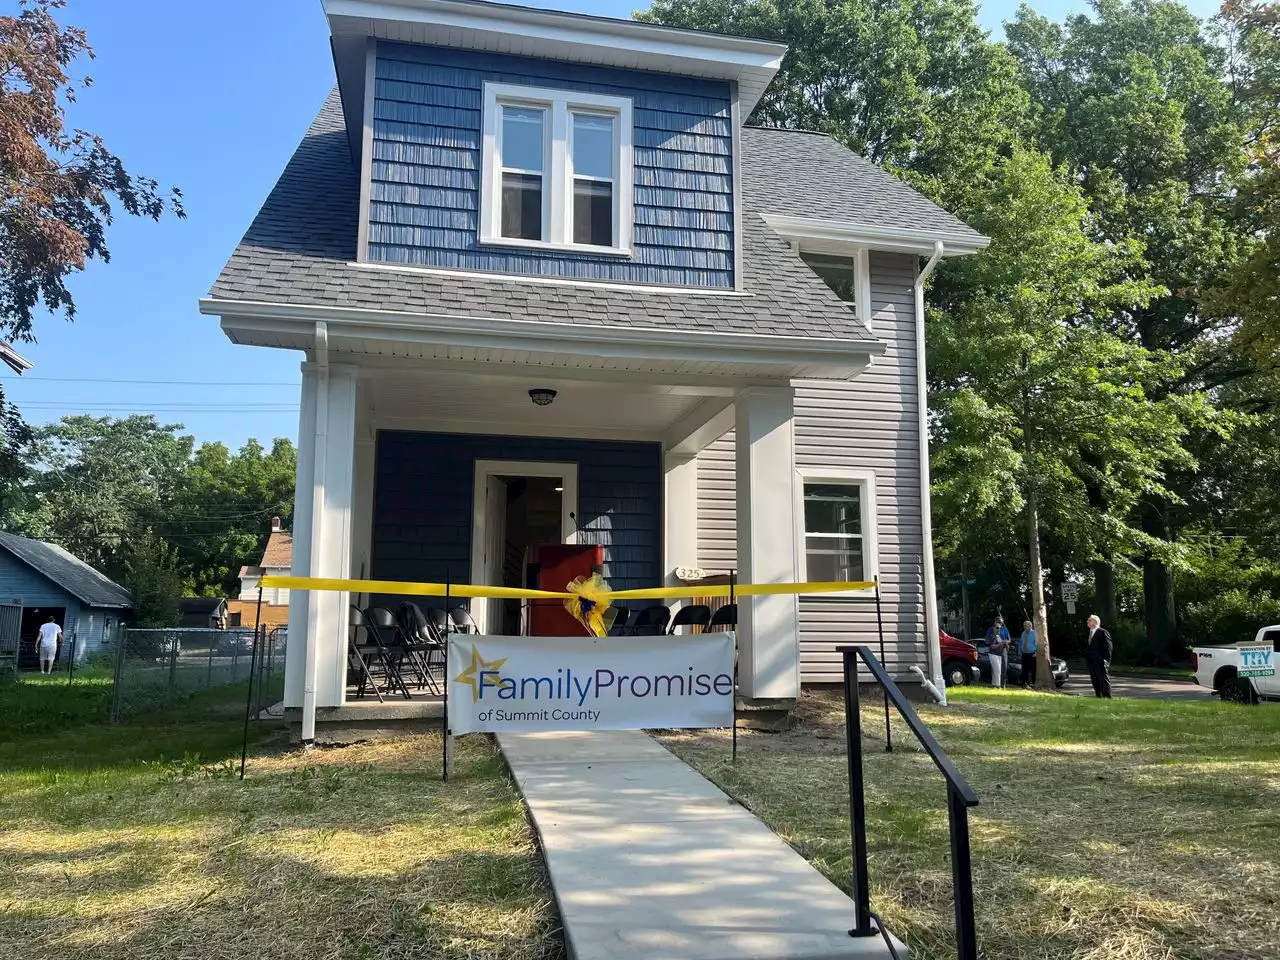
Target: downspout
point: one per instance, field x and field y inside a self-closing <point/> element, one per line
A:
<point x="926" y="506"/>
<point x="312" y="636"/>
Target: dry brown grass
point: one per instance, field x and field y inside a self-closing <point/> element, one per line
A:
<point x="349" y="853"/>
<point x="1116" y="830"/>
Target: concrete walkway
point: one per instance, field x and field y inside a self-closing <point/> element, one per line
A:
<point x="650" y="860"/>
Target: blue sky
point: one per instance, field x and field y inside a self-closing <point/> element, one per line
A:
<point x="212" y="97"/>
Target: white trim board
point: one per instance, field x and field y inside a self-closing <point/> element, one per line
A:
<point x="557" y="35"/>
<point x="566" y="473"/>
<point x="822" y="358"/>
<point x="833" y="236"/>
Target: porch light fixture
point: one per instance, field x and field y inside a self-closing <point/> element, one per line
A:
<point x="542" y="396"/>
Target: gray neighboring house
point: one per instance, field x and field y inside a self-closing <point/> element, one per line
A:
<point x="721" y="328"/>
<point x="39" y="580"/>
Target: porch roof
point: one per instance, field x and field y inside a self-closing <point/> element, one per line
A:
<point x="301" y="251"/>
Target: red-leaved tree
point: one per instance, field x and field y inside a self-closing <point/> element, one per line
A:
<point x="60" y="186"/>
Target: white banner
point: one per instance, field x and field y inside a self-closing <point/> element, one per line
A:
<point x="520" y="684"/>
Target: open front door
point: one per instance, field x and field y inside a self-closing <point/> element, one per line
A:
<point x="495" y="548"/>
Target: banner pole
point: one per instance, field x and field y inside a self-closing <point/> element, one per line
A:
<point x="888" y="734"/>
<point x="444" y="726"/>
<point x="248" y="706"/>
<point x="733" y="703"/>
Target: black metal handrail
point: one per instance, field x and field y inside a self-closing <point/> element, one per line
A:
<point x="960" y="797"/>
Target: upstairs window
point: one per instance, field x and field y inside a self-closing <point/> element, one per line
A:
<point x="846" y="275"/>
<point x="556" y="170"/>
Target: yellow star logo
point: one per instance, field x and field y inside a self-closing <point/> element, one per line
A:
<point x="471" y="675"/>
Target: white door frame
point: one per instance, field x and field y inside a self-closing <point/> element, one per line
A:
<point x="566" y="473"/>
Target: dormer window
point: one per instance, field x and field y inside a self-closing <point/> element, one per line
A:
<point x="556" y="170"/>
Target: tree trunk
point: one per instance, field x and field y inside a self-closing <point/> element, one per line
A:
<point x="1157" y="589"/>
<point x="1039" y="616"/>
<point x="1104" y="588"/>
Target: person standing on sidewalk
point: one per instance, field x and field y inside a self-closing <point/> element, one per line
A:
<point x="1098" y="656"/>
<point x="997" y="647"/>
<point x="1027" y="646"/>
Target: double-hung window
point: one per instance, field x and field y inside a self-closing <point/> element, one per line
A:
<point x="556" y="170"/>
<point x="839" y="528"/>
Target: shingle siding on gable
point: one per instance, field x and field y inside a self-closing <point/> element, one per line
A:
<point x="425" y="189"/>
<point x="425" y="483"/>
<point x="870" y="422"/>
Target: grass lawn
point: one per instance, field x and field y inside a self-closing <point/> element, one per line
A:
<point x="1108" y="830"/>
<point x="137" y="841"/>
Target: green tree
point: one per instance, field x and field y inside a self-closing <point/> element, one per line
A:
<point x="1137" y="98"/>
<point x="221" y="511"/>
<point x="101" y="483"/>
<point x="149" y="569"/>
<point x="1028" y="376"/>
<point x="894" y="82"/>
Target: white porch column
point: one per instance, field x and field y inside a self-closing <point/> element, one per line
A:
<point x="680" y="514"/>
<point x="322" y="544"/>
<point x="768" y="629"/>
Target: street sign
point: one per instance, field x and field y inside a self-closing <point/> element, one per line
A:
<point x="1071" y="593"/>
<point x="1071" y="606"/>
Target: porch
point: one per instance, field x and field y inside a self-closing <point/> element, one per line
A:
<point x="451" y="455"/>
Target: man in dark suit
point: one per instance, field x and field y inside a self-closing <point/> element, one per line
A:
<point x="1098" y="656"/>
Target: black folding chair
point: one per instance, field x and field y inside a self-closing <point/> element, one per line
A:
<point x="694" y="615"/>
<point x="650" y="622"/>
<point x="726" y="618"/>
<point x="359" y="656"/>
<point x="381" y="627"/>
<point x="422" y="645"/>
<point x="462" y="622"/>
<point x="619" y="626"/>
<point x="439" y="621"/>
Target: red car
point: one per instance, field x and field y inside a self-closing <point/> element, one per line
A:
<point x="959" y="660"/>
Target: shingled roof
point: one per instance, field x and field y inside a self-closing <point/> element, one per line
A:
<point x="802" y="174"/>
<point x="301" y="248"/>
<point x="69" y="572"/>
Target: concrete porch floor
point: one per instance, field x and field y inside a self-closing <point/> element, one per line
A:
<point x="367" y="719"/>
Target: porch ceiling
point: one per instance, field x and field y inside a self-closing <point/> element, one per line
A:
<point x="452" y="402"/>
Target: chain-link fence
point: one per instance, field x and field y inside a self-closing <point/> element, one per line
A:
<point x="156" y="667"/>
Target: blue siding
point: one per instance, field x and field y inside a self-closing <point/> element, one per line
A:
<point x="423" y="501"/>
<point x="18" y="582"/>
<point x="425" y="189"/>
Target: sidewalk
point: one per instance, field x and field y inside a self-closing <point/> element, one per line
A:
<point x="648" y="859"/>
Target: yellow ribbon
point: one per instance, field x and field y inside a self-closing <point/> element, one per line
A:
<point x="405" y="588"/>
<point x="589" y="603"/>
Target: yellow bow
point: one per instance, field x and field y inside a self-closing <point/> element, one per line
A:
<point x="589" y="604"/>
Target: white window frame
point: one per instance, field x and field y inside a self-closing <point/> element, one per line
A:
<point x="865" y="479"/>
<point x="558" y="175"/>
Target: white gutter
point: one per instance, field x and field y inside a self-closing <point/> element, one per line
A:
<point x="311" y="638"/>
<point x="926" y="506"/>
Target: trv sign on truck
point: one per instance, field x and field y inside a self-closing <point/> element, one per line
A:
<point x="1257" y="661"/>
<point x="519" y="684"/>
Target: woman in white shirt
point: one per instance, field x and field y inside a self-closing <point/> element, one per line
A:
<point x="50" y="634"/>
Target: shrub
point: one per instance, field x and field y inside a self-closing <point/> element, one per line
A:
<point x="1228" y="618"/>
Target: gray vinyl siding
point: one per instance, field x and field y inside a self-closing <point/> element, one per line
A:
<point x="870" y="423"/>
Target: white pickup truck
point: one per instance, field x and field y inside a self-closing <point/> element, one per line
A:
<point x="1245" y="673"/>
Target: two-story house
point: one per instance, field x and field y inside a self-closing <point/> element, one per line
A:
<point x="548" y="284"/>
<point x="277" y="559"/>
